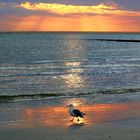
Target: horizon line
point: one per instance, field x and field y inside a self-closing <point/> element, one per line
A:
<point x="72" y="31"/>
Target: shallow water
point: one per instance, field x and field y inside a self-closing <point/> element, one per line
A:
<point x="68" y="63"/>
<point x="53" y="113"/>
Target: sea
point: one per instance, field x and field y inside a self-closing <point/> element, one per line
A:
<point x="52" y="64"/>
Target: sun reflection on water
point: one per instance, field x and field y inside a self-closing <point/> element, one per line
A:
<point x="74" y="101"/>
<point x="81" y="120"/>
<point x="75" y="54"/>
<point x="72" y="63"/>
<point x="73" y="79"/>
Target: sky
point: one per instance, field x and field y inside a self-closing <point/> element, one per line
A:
<point x="70" y="15"/>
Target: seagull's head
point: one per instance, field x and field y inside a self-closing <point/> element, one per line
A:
<point x="70" y="106"/>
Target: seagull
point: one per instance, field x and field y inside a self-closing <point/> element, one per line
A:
<point x="75" y="112"/>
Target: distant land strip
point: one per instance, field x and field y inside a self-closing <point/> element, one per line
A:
<point x="117" y="40"/>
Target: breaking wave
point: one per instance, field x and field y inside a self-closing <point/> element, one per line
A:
<point x="9" y="98"/>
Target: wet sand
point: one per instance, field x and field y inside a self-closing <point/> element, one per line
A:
<point x="105" y="131"/>
<point x="44" y="121"/>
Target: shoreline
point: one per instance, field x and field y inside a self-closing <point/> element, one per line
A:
<point x="113" y="95"/>
<point x="49" y="119"/>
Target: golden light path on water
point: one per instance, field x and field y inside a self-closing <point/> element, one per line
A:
<point x="73" y="79"/>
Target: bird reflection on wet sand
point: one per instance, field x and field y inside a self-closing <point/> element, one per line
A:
<point x="75" y="126"/>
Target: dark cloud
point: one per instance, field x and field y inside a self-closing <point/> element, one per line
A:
<point x="129" y="4"/>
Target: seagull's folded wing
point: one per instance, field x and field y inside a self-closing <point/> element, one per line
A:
<point x="78" y="113"/>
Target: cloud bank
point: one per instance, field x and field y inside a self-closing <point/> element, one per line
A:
<point x="62" y="9"/>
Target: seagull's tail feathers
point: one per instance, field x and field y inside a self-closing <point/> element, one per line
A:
<point x="83" y="113"/>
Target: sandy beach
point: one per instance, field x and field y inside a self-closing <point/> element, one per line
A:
<point x="109" y="131"/>
<point x="40" y="120"/>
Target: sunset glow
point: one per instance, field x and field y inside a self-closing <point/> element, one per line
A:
<point x="31" y="16"/>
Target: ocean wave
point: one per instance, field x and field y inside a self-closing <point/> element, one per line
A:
<point x="114" y="91"/>
<point x="59" y="61"/>
<point x="64" y="70"/>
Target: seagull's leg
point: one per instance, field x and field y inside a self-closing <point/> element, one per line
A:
<point x="78" y="119"/>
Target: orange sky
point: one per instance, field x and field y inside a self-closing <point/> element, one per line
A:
<point x="61" y="17"/>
